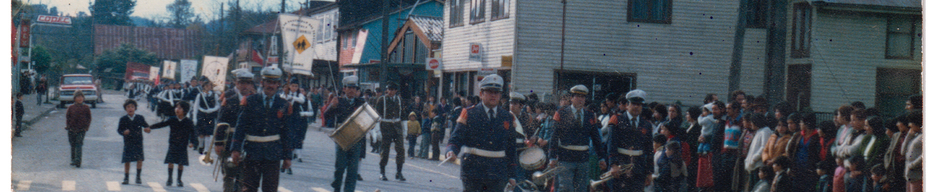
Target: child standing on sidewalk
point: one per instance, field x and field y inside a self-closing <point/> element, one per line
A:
<point x="19" y="114"/>
<point x="130" y="127"/>
<point x="181" y="133"/>
<point x="414" y="129"/>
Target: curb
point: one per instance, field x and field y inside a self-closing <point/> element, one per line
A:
<point x="38" y="117"/>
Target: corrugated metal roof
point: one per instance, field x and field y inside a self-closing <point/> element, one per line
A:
<point x="889" y="3"/>
<point x="433" y="27"/>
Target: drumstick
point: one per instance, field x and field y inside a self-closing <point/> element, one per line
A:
<point x="448" y="159"/>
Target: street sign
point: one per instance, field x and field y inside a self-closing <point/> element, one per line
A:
<point x="475" y="52"/>
<point x="432" y="64"/>
<point x="24" y="34"/>
<point x="54" y="19"/>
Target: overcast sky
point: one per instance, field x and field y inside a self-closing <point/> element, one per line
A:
<point x="157" y="8"/>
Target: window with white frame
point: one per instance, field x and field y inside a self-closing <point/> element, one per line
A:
<point x="456" y="13"/>
<point x="802" y="25"/>
<point x="477" y="11"/>
<point x="500" y="9"/>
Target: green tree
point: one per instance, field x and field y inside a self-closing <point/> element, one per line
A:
<point x="43" y="59"/>
<point x="117" y="58"/>
<point x="113" y="12"/>
<point x="181" y="13"/>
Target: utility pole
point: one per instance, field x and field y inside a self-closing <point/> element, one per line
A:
<point x="734" y="77"/>
<point x="280" y="44"/>
<point x="561" y="70"/>
<point x="383" y="77"/>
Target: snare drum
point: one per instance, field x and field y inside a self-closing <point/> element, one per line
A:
<point x="532" y="158"/>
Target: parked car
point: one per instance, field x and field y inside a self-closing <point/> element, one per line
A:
<point x="70" y="83"/>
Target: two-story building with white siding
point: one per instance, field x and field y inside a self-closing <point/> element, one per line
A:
<point x="676" y="50"/>
<point x="840" y="51"/>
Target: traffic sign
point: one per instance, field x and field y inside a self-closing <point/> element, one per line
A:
<point x="432" y="64"/>
<point x="301" y="44"/>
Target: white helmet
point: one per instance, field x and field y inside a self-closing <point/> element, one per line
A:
<point x="492" y="81"/>
<point x="271" y="72"/>
<point x="351" y="81"/>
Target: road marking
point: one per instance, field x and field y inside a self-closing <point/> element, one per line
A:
<point x="318" y="189"/>
<point x="282" y="189"/>
<point x="113" y="186"/>
<point x="24" y="185"/>
<point x="156" y="187"/>
<point x="199" y="187"/>
<point x="68" y="185"/>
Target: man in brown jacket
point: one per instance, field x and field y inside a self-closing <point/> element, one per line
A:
<point x="77" y="120"/>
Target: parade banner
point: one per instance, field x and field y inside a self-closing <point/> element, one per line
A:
<point x="154" y="73"/>
<point x="215" y="69"/>
<point x="187" y="69"/>
<point x="136" y="71"/>
<point x="298" y="33"/>
<point x="169" y="69"/>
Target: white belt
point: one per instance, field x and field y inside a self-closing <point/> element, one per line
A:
<point x="395" y="120"/>
<point x="482" y="152"/>
<point x="630" y="152"/>
<point x="262" y="139"/>
<point x="520" y="140"/>
<point x="230" y="130"/>
<point x="573" y="147"/>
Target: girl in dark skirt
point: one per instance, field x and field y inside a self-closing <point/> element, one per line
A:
<point x="206" y="111"/>
<point x="181" y="133"/>
<point x="130" y="127"/>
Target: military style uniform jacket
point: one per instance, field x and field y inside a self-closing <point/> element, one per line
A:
<point x="488" y="144"/>
<point x="390" y="111"/>
<point x="573" y="137"/>
<point x="631" y="144"/>
<point x="261" y="131"/>
<point x="231" y="107"/>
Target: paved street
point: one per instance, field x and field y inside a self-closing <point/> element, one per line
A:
<point x="41" y="161"/>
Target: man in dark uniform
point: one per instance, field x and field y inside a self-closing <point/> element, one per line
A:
<point x="231" y="107"/>
<point x="390" y="110"/>
<point x="577" y="128"/>
<point x="630" y="143"/>
<point x="261" y="133"/>
<point x="347" y="161"/>
<point x="484" y="141"/>
<point x="516" y="107"/>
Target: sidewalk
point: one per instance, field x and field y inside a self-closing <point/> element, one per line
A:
<point x="34" y="112"/>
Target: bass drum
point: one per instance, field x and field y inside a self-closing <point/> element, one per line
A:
<point x="532" y="158"/>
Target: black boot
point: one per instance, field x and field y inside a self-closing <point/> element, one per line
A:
<point x="125" y="179"/>
<point x="289" y="172"/>
<point x="138" y="177"/>
<point x="382" y="172"/>
<point x="399" y="176"/>
<point x="360" y="177"/>
<point x="179" y="178"/>
<point x="169" y="177"/>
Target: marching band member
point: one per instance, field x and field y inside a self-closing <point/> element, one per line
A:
<point x="389" y="108"/>
<point x="630" y="143"/>
<point x="577" y="129"/>
<point x="484" y="140"/>
<point x="347" y="161"/>
<point x="232" y="105"/>
<point x="263" y="136"/>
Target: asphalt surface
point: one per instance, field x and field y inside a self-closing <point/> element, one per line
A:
<point x="41" y="161"/>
